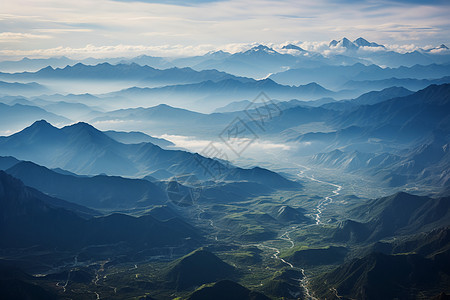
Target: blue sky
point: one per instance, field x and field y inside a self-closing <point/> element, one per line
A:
<point x="84" y="28"/>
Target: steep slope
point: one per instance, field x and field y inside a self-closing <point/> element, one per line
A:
<point x="428" y="244"/>
<point x="399" y="214"/>
<point x="407" y="117"/>
<point x="197" y="268"/>
<point x="290" y="215"/>
<point x="224" y="290"/>
<point x="79" y="210"/>
<point x="313" y="257"/>
<point x="27" y="220"/>
<point x="16" y="285"/>
<point x="262" y="176"/>
<point x="380" y="276"/>
<point x="101" y="192"/>
<point x="355" y="161"/>
<point x="7" y="162"/>
<point x="234" y="191"/>
<point x="136" y="137"/>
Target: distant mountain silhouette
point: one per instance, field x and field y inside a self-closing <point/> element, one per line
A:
<point x="7" y="162"/>
<point x="136" y="137"/>
<point x="369" y="98"/>
<point x="34" y="64"/>
<point x="349" y="76"/>
<point x="210" y="94"/>
<point x="23" y="89"/>
<point x="408" y="83"/>
<point x="126" y="72"/>
<point x="14" y="117"/>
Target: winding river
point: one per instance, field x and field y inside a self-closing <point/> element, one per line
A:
<point x="327" y="199"/>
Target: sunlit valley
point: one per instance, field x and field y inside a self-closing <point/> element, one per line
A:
<point x="286" y="170"/>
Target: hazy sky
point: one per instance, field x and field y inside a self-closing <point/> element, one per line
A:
<point x="99" y="28"/>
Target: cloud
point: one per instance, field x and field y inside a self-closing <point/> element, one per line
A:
<point x="402" y="48"/>
<point x="187" y="142"/>
<point x="183" y="27"/>
<point x="111" y="51"/>
<point x="15" y="36"/>
<point x="257" y="147"/>
<point x="173" y="2"/>
<point x="63" y="30"/>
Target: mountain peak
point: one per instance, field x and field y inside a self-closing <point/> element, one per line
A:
<point x="164" y="107"/>
<point x="361" y="42"/>
<point x="345" y="42"/>
<point x="268" y="81"/>
<point x="348" y="44"/>
<point x="41" y="123"/>
<point x="261" y="49"/>
<point x="85" y="130"/>
<point x="46" y="69"/>
<point x="293" y="47"/>
<point x="218" y="53"/>
<point x="333" y="43"/>
<point x="196" y="268"/>
<point x="82" y="125"/>
<point x="40" y="126"/>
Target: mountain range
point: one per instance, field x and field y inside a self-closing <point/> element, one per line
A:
<point x="395" y="269"/>
<point x="259" y="60"/>
<point x="82" y="149"/>
<point x="124" y="72"/>
<point x="24" y="89"/>
<point x="208" y="95"/>
<point x="101" y="192"/>
<point x="345" y="77"/>
<point x="342" y="191"/>
<point x="23" y="208"/>
<point x="14" y="117"/>
<point x="398" y="214"/>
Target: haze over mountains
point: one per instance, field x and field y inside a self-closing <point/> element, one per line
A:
<point x="274" y="172"/>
